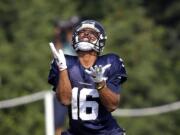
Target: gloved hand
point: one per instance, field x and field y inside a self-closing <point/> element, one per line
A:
<point x="59" y="57"/>
<point x="97" y="73"/>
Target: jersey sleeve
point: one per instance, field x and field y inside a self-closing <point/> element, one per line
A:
<point x="53" y="75"/>
<point x="117" y="73"/>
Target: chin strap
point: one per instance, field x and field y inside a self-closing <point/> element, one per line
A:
<point x="85" y="46"/>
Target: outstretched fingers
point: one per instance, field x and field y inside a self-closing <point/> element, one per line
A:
<point x="53" y="49"/>
<point x="105" y="67"/>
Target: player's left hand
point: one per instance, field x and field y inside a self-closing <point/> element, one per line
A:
<point x="97" y="72"/>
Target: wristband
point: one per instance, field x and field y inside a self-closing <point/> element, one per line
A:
<point x="100" y="85"/>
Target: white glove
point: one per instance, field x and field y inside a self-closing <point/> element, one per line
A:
<point x="97" y="73"/>
<point x="59" y="57"/>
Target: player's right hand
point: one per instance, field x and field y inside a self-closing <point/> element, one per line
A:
<point x="59" y="57"/>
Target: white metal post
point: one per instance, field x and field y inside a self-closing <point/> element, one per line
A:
<point x="49" y="113"/>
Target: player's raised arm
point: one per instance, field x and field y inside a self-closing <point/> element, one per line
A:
<point x="63" y="90"/>
<point x="108" y="98"/>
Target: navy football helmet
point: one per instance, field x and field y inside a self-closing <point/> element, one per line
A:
<point x="97" y="45"/>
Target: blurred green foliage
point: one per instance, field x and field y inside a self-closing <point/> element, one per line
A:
<point x="146" y="34"/>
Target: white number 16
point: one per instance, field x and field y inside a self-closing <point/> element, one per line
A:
<point x="79" y="104"/>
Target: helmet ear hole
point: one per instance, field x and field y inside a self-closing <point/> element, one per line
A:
<point x="98" y="46"/>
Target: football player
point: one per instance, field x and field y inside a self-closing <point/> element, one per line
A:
<point x="89" y="83"/>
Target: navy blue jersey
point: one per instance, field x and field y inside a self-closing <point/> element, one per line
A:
<point x="87" y="115"/>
